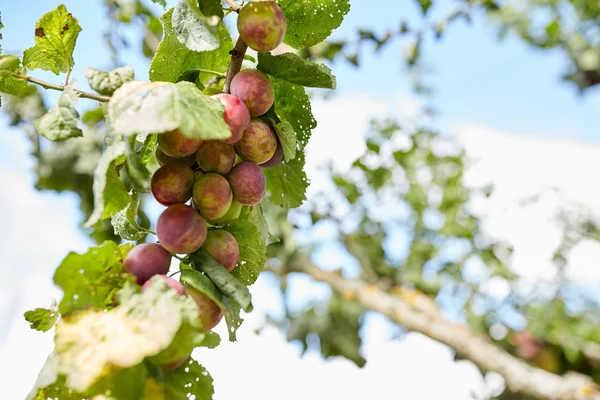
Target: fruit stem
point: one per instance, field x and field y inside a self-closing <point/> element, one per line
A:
<point x="237" y="57"/>
<point x="47" y="85"/>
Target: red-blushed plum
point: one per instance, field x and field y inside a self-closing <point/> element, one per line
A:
<point x="174" y="365"/>
<point x="180" y="229"/>
<point x="223" y="247"/>
<point x="255" y="89"/>
<point x="258" y="144"/>
<point x="262" y="25"/>
<point x="146" y="260"/>
<point x="232" y="214"/>
<point x="163" y="159"/>
<point x="236" y="115"/>
<point x="248" y="183"/>
<point x="276" y="159"/>
<point x="172" y="184"/>
<point x="212" y="196"/>
<point x="176" y="144"/>
<point x="210" y="312"/>
<point x="172" y="283"/>
<point x="215" y="156"/>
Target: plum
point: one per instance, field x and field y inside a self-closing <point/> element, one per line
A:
<point x="255" y="89"/>
<point x="236" y="115"/>
<point x="146" y="260"/>
<point x="262" y="25"/>
<point x="212" y="196"/>
<point x="210" y="312"/>
<point x="276" y="159"/>
<point x="180" y="229"/>
<point x="172" y="283"/>
<point x="223" y="247"/>
<point x="174" y="365"/>
<point x="258" y="144"/>
<point x="232" y="214"/>
<point x="215" y="156"/>
<point x="248" y="183"/>
<point x="176" y="144"/>
<point x="172" y="184"/>
<point x="163" y="159"/>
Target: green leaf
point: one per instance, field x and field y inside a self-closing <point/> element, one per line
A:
<point x="161" y="2"/>
<point x="189" y="380"/>
<point x="292" y="68"/>
<point x="110" y="194"/>
<point x="231" y="310"/>
<point x="9" y="64"/>
<point x="55" y="36"/>
<point x="125" y="223"/>
<point x="12" y="85"/>
<point x="106" y="83"/>
<point x="293" y="104"/>
<point x="61" y="121"/>
<point x="157" y="323"/>
<point x="223" y="280"/>
<point x="94" y="116"/>
<point x="172" y="58"/>
<point x="309" y="22"/>
<point x="193" y="29"/>
<point x="211" y="7"/>
<point x="91" y="279"/>
<point x="257" y="218"/>
<point x="157" y="107"/>
<point x="253" y="250"/>
<point x="42" y="319"/>
<point x="286" y="135"/>
<point x="287" y="182"/>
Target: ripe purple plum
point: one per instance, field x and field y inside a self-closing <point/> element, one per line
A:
<point x="180" y="229"/>
<point x="172" y="184"/>
<point x="255" y="89"/>
<point x="262" y="25"/>
<point x="276" y="159"/>
<point x="236" y="115"/>
<point x="172" y="283"/>
<point x="146" y="260"/>
<point x="248" y="183"/>
<point x="258" y="144"/>
<point x="223" y="247"/>
<point x="215" y="156"/>
<point x="163" y="159"/>
<point x="176" y="144"/>
<point x="232" y="214"/>
<point x="212" y="196"/>
<point x="210" y="312"/>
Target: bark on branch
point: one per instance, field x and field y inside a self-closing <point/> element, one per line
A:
<point x="416" y="312"/>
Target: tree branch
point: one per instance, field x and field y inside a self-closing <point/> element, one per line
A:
<point x="47" y="85"/>
<point x="416" y="312"/>
<point x="233" y="4"/>
<point x="237" y="57"/>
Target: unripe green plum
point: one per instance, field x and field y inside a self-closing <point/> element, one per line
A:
<point x="163" y="159"/>
<point x="172" y="184"/>
<point x="232" y="214"/>
<point x="262" y="25"/>
<point x="236" y="115"/>
<point x="180" y="229"/>
<point x="210" y="312"/>
<point x="223" y="247"/>
<point x="146" y="260"/>
<point x="258" y="144"/>
<point x="212" y="196"/>
<point x="248" y="183"/>
<point x="276" y="159"/>
<point x="176" y="144"/>
<point x="215" y="156"/>
<point x="172" y="283"/>
<point x="255" y="89"/>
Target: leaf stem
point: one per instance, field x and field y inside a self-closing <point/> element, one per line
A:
<point x="209" y="71"/>
<point x="47" y="85"/>
<point x="237" y="57"/>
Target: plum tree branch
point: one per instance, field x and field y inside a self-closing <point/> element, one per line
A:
<point x="48" y="85"/>
<point x="237" y="58"/>
<point x="233" y="4"/>
<point x="417" y="312"/>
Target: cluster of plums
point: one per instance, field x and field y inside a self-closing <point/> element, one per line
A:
<point x="218" y="176"/>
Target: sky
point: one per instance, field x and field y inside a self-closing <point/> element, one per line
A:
<point x="524" y="130"/>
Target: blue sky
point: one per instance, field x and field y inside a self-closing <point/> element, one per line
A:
<point x="504" y="86"/>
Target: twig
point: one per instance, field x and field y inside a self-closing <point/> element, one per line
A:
<point x="420" y="316"/>
<point x="47" y="85"/>
<point x="237" y="57"/>
<point x="233" y="5"/>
